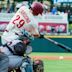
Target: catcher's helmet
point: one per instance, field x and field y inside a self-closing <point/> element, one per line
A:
<point x="20" y="48"/>
<point x="37" y="8"/>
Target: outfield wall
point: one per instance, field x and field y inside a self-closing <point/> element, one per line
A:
<point x="42" y="45"/>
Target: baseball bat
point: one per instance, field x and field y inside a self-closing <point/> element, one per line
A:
<point x="59" y="44"/>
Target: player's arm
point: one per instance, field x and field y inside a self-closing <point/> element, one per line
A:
<point x="36" y="34"/>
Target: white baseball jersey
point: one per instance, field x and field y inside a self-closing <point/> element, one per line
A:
<point x="23" y="19"/>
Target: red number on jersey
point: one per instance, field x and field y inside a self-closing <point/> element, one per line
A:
<point x="21" y="21"/>
<point x="17" y="18"/>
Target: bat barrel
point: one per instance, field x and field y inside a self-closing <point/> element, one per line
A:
<point x="59" y="44"/>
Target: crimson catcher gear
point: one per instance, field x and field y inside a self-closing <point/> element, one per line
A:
<point x="37" y="8"/>
<point x="38" y="66"/>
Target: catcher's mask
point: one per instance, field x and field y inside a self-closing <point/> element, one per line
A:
<point x="20" y="48"/>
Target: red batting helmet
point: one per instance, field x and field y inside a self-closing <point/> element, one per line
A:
<point x="37" y="8"/>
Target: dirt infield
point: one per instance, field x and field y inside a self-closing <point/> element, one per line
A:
<point x="53" y="57"/>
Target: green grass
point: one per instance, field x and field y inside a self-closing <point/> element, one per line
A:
<point x="50" y="54"/>
<point x="56" y="65"/>
<point x="70" y="26"/>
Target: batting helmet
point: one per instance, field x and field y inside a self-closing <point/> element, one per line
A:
<point x="37" y="8"/>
